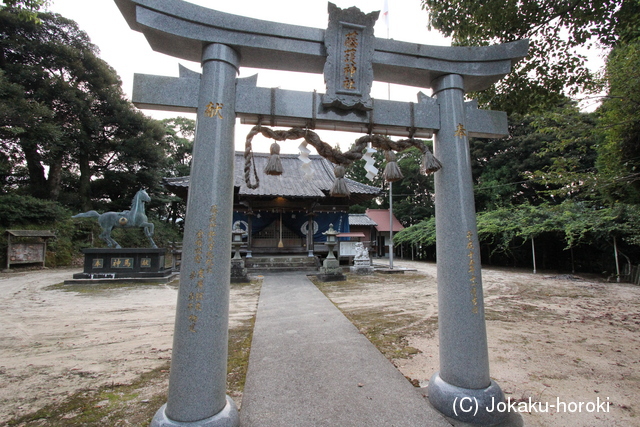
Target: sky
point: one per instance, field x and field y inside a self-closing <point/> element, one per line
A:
<point x="128" y="52"/>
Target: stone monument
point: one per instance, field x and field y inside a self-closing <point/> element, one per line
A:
<point x="115" y="262"/>
<point x="346" y="53"/>
<point x="361" y="262"/>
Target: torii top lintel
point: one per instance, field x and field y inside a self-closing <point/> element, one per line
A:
<point x="181" y="29"/>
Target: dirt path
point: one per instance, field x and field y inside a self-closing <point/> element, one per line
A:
<point x="56" y="340"/>
<point x="549" y="337"/>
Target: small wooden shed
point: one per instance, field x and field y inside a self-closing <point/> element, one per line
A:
<point x="27" y="247"/>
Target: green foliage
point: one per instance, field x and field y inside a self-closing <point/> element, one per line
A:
<point x="180" y="133"/>
<point x="413" y="195"/>
<point x="415" y="192"/>
<point x="178" y="146"/>
<point x="556" y="30"/>
<point x="28" y="213"/>
<point x="19" y="211"/>
<point x="498" y="228"/>
<point x="502" y="167"/>
<point x="619" y="156"/>
<point x="571" y="149"/>
<point x="27" y="9"/>
<point x="422" y="233"/>
<point x="72" y="134"/>
<point x="505" y="230"/>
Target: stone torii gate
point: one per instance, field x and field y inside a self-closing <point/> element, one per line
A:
<point x="350" y="57"/>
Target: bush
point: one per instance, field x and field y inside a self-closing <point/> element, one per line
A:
<point x="19" y="211"/>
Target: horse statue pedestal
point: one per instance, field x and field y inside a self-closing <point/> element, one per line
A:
<point x="125" y="264"/>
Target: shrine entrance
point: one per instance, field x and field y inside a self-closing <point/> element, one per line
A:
<point x="349" y="57"/>
<point x="277" y="237"/>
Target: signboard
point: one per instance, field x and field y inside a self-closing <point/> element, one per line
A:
<point x="348" y="249"/>
<point x="25" y="253"/>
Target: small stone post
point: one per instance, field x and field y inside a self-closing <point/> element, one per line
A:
<point x="463" y="381"/>
<point x="197" y="384"/>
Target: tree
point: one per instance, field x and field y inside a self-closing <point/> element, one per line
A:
<point x="420" y="234"/>
<point x="413" y="195"/>
<point x="27" y="9"/>
<point x="178" y="141"/>
<point x="179" y="137"/>
<point x="66" y="118"/>
<point x="547" y="157"/>
<point x="571" y="148"/>
<point x="502" y="167"/>
<point x="619" y="156"/>
<point x="557" y="31"/>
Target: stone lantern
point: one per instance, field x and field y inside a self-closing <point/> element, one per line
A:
<point x="238" y="271"/>
<point x="331" y="270"/>
<point x="332" y="240"/>
<point x="236" y="240"/>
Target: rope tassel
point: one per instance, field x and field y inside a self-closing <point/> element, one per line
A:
<point x="274" y="165"/>
<point x="429" y="163"/>
<point x="340" y="188"/>
<point x="392" y="172"/>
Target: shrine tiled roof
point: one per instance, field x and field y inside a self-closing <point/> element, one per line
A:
<point x="291" y="184"/>
<point x="361" y="219"/>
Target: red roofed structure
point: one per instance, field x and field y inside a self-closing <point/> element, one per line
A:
<point x="381" y="218"/>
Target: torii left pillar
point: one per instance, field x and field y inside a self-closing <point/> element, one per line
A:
<point x="197" y="383"/>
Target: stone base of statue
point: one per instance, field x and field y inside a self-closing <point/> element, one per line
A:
<point x="362" y="267"/>
<point x="129" y="264"/>
<point x="331" y="271"/>
<point x="238" y="271"/>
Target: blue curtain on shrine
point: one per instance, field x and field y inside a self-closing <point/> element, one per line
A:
<point x="340" y="221"/>
<point x="259" y="222"/>
<point x="297" y="222"/>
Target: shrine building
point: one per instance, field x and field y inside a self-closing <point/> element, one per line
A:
<point x="276" y="215"/>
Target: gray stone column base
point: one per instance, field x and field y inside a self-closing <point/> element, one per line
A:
<point x="473" y="406"/>
<point x="362" y="270"/>
<point x="331" y="277"/>
<point x="228" y="417"/>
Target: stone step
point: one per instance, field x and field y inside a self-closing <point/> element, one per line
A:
<point x="281" y="269"/>
<point x="281" y="263"/>
<point x="267" y="262"/>
<point x="282" y="260"/>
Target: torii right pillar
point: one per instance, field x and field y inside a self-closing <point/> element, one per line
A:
<point x="462" y="389"/>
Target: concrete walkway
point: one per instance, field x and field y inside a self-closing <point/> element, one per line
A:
<point x="310" y="366"/>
